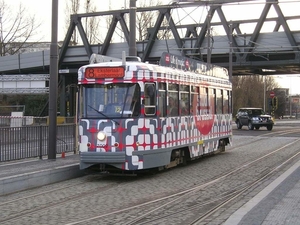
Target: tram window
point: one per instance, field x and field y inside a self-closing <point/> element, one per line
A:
<point x="162" y="105"/>
<point x="204" y="100"/>
<point x="195" y="89"/>
<point x="185" y="88"/>
<point x="225" y="102"/>
<point x="219" y="101"/>
<point x="173" y="104"/>
<point x="162" y="86"/>
<point x="150" y="99"/>
<point x="133" y="99"/>
<point x="173" y="98"/>
<point x="172" y="87"/>
<point x="113" y="100"/>
<point x="184" y="104"/>
<point x="212" y="101"/>
<point x="162" y="109"/>
<point x="194" y="101"/>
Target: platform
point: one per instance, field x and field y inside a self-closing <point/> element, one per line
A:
<point x="278" y="203"/>
<point x="30" y="173"/>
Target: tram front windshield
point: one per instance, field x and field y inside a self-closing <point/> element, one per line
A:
<point x="110" y="100"/>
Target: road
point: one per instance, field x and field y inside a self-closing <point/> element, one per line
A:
<point x="280" y="125"/>
<point x="208" y="190"/>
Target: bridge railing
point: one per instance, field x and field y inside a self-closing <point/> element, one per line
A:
<point x="32" y="141"/>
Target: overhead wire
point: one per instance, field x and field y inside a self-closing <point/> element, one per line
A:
<point x="187" y="14"/>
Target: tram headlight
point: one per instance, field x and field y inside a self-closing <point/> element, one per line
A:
<point x="101" y="136"/>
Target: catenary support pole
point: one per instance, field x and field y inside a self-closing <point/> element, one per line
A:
<point x="230" y="50"/>
<point x="53" y="83"/>
<point x="132" y="34"/>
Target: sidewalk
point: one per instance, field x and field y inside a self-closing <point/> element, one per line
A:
<point x="24" y="174"/>
<point x="278" y="203"/>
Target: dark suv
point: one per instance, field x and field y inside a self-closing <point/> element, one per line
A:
<point x="253" y="118"/>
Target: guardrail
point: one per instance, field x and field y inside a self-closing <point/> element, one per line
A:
<point x="32" y="141"/>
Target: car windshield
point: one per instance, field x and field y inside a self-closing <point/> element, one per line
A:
<point x="110" y="100"/>
<point x="258" y="112"/>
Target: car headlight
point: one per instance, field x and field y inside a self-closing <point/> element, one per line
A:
<point x="255" y="118"/>
<point x="101" y="136"/>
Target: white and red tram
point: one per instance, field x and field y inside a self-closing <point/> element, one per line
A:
<point x="136" y="116"/>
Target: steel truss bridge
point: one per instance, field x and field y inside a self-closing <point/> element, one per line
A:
<point x="259" y="37"/>
<point x="254" y="51"/>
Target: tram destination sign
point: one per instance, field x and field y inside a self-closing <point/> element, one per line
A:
<point x="104" y="72"/>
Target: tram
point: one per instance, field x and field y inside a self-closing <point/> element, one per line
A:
<point x="135" y="116"/>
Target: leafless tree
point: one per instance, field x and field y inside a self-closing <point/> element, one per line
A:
<point x="248" y="91"/>
<point x="72" y="7"/>
<point x="146" y="20"/>
<point x="90" y="23"/>
<point x="17" y="29"/>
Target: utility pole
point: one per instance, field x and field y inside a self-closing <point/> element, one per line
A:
<point x="1" y="35"/>
<point x="53" y="83"/>
<point x="230" y="50"/>
<point x="208" y="40"/>
<point x="132" y="33"/>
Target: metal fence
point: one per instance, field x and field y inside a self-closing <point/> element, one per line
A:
<point x="32" y="141"/>
<point x="19" y="121"/>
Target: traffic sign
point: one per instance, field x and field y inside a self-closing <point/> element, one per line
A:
<point x="272" y="94"/>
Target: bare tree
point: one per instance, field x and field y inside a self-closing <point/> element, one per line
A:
<point x="248" y="91"/>
<point x="17" y="28"/>
<point x="147" y="19"/>
<point x="72" y="7"/>
<point x="144" y="20"/>
<point x="90" y="23"/>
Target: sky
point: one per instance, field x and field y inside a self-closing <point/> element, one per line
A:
<point x="289" y="81"/>
<point x="41" y="9"/>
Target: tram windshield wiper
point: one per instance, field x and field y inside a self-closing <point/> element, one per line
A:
<point x="107" y="117"/>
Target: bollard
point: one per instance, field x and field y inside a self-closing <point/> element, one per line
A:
<point x="63" y="155"/>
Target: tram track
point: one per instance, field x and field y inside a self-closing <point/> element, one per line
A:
<point x="239" y="193"/>
<point x="154" y="209"/>
<point x="217" y="202"/>
<point x="152" y="214"/>
<point x="74" y="196"/>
